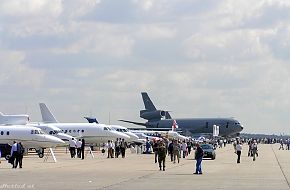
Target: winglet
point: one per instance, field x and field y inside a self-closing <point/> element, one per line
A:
<point x="47" y="116"/>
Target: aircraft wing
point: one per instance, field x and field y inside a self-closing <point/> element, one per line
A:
<point x="133" y="122"/>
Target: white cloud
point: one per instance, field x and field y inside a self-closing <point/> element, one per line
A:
<point x="30" y="8"/>
<point x="76" y="8"/>
<point x="226" y="46"/>
<point x="201" y="58"/>
<point x="156" y="32"/>
<point x="15" y="72"/>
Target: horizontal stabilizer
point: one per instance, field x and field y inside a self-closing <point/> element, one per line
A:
<point x="136" y="123"/>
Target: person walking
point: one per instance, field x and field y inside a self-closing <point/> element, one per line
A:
<point x="123" y="146"/>
<point x="281" y="145"/>
<point x="79" y="146"/>
<point x="255" y="149"/>
<point x="14" y="155"/>
<point x="72" y="148"/>
<point x="83" y="149"/>
<point x="109" y="148"/>
<point x="239" y="151"/>
<point x="20" y="151"/>
<point x="198" y="158"/>
<point x="170" y="150"/>
<point x="161" y="155"/>
<point x="188" y="147"/>
<point x="176" y="150"/>
<point x="155" y="149"/>
<point x="117" y="148"/>
<point x="184" y="149"/>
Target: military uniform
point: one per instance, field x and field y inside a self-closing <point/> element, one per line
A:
<point x="161" y="155"/>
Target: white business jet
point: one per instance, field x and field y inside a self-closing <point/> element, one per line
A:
<point x="92" y="132"/>
<point x="54" y="131"/>
<point x="30" y="137"/>
<point x="133" y="137"/>
<point x="23" y="119"/>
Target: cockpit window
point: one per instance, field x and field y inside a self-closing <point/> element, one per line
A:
<point x="106" y="129"/>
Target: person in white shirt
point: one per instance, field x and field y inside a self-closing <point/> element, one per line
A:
<point x="239" y="151"/>
<point x="72" y="147"/>
<point x="110" y="148"/>
<point x="79" y="146"/>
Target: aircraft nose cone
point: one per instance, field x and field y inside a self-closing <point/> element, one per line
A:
<point x="56" y="141"/>
<point x="121" y="135"/>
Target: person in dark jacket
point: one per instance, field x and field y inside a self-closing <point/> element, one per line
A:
<point x="198" y="158"/>
<point x="20" y="151"/>
<point x="161" y="154"/>
<point x="155" y="149"/>
<point x="170" y="151"/>
<point x="83" y="149"/>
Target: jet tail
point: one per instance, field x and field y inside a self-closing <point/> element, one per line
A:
<point x="149" y="106"/>
<point x="167" y="115"/>
<point x="47" y="116"/>
<point x="91" y="119"/>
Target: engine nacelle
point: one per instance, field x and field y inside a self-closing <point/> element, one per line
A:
<point x="151" y="115"/>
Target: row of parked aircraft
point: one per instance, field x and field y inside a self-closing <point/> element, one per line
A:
<point x="51" y="133"/>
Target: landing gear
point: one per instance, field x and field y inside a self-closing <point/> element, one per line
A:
<point x="40" y="152"/>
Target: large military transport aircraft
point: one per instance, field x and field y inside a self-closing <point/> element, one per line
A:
<point x="160" y="119"/>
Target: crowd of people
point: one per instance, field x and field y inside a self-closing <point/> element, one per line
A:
<point x="16" y="154"/>
<point x="77" y="148"/>
<point x="117" y="148"/>
<point x="175" y="149"/>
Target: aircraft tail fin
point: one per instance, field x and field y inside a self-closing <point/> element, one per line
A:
<point x="91" y="119"/>
<point x="147" y="102"/>
<point x="47" y="116"/>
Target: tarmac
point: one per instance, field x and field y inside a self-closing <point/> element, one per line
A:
<point x="271" y="170"/>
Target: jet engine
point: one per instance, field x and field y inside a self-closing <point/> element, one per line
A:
<point x="151" y="115"/>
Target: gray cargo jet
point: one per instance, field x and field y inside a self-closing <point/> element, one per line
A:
<point x="160" y="119"/>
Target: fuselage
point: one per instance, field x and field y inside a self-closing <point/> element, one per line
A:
<point x="227" y="126"/>
<point x="91" y="132"/>
<point x="52" y="130"/>
<point x="124" y="130"/>
<point x="30" y="137"/>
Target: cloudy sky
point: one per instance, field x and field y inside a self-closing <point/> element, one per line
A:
<point x="197" y="58"/>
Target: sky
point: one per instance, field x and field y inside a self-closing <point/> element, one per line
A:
<point x="196" y="58"/>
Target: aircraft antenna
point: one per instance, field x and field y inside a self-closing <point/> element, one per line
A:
<point x="109" y="118"/>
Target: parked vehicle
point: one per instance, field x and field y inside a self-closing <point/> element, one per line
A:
<point x="208" y="151"/>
